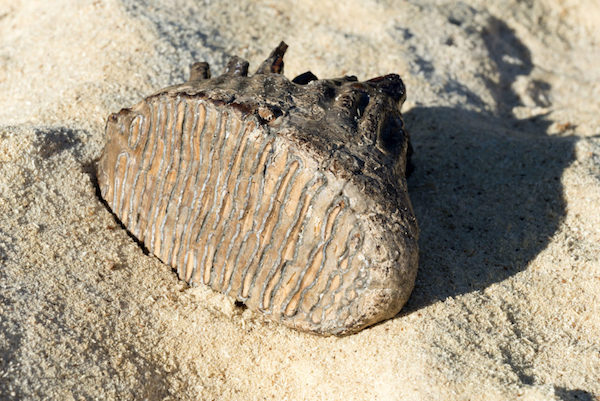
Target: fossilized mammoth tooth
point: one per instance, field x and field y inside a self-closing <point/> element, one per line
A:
<point x="289" y="196"/>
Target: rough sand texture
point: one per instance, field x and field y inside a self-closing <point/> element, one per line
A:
<point x="503" y="107"/>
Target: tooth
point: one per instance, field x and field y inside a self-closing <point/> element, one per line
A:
<point x="274" y="63"/>
<point x="199" y="71"/>
<point x="289" y="198"/>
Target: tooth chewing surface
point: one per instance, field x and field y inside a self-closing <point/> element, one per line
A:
<point x="211" y="193"/>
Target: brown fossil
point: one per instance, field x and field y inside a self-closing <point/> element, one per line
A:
<point x="289" y="196"/>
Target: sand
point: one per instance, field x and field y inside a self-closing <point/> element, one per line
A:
<point x="502" y="107"/>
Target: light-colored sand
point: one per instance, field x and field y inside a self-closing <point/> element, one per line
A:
<point x="503" y="107"/>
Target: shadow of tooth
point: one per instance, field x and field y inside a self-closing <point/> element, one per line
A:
<point x="274" y="63"/>
<point x="305" y="78"/>
<point x="199" y="71"/>
<point x="237" y="67"/>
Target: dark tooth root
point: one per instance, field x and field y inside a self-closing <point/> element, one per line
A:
<point x="361" y="104"/>
<point x="305" y="78"/>
<point x="274" y="63"/>
<point x="199" y="71"/>
<point x="343" y="80"/>
<point x="391" y="85"/>
<point x="368" y="125"/>
<point x="352" y="102"/>
<point x="390" y="135"/>
<point x="237" y="66"/>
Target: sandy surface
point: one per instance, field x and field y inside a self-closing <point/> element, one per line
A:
<point x="503" y="107"/>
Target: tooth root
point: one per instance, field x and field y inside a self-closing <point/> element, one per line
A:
<point x="274" y="63"/>
<point x="352" y="101"/>
<point x="391" y="85"/>
<point x="305" y="78"/>
<point x="199" y="71"/>
<point x="353" y="106"/>
<point x="237" y="67"/>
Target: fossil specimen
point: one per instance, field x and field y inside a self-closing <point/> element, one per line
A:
<point x="289" y="196"/>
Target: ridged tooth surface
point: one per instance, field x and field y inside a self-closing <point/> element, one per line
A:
<point x="215" y="195"/>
